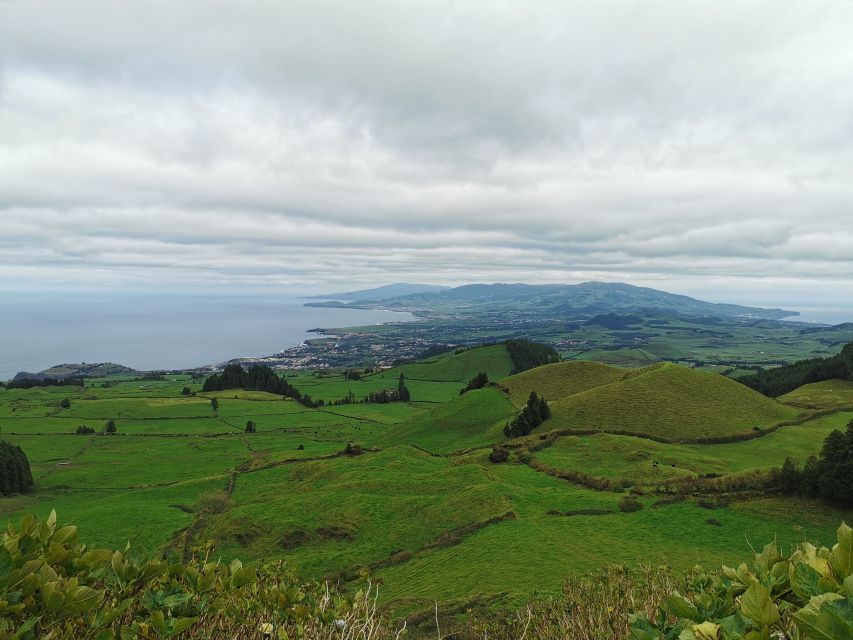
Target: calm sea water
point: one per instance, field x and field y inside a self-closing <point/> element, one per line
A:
<point x="141" y="331"/>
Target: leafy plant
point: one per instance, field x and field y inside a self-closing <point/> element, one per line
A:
<point x="53" y="587"/>
<point x="807" y="595"/>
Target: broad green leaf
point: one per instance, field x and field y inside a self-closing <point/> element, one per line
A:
<point x="848" y="586"/>
<point x="706" y="631"/>
<point x="841" y="611"/>
<point x="80" y="599"/>
<point x="765" y="560"/>
<point x="679" y="607"/>
<point x="805" y="580"/>
<point x="841" y="558"/>
<point x="182" y="624"/>
<point x="756" y="605"/>
<point x="809" y="620"/>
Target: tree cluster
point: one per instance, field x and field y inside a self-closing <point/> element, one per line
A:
<point x="29" y="383"/>
<point x="477" y="382"/>
<point x="251" y="427"/>
<point x="83" y="430"/>
<point x="15" y="474"/>
<point x="782" y="380"/>
<point x="829" y="476"/>
<point x="528" y="355"/>
<point x="257" y="378"/>
<point x="384" y="396"/>
<point x="534" y="413"/>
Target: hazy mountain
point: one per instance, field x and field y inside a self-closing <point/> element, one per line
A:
<point x="585" y="300"/>
<point x="394" y="290"/>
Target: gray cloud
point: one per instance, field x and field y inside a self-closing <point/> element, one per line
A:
<point x="694" y="146"/>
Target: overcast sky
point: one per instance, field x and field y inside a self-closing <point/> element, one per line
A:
<point x="700" y="147"/>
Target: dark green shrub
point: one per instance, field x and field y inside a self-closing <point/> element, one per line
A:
<point x="629" y="504"/>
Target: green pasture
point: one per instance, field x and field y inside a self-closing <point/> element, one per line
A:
<point x="419" y="504"/>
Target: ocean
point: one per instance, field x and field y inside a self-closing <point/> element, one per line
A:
<point x="157" y="331"/>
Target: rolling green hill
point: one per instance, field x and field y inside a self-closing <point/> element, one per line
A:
<point x="555" y="381"/>
<point x="828" y="394"/>
<point x="669" y="402"/>
<point x="475" y="419"/>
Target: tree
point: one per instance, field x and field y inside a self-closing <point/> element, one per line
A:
<point x="835" y="465"/>
<point x="110" y="427"/>
<point x="186" y="391"/>
<point x="790" y="477"/>
<point x="810" y="477"/>
<point x="214" y="404"/>
<point x="477" y="382"/>
<point x="65" y="404"/>
<point x="535" y="412"/>
<point x="250" y="426"/>
<point x="15" y="474"/>
<point x="402" y="391"/>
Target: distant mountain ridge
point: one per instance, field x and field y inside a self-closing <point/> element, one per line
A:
<point x="585" y="300"/>
<point x="394" y="290"/>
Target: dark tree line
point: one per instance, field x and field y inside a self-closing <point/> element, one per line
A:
<point x="29" y="383"/>
<point x="383" y="396"/>
<point x="828" y="476"/>
<point x="534" y="413"/>
<point x="15" y="474"/>
<point x="781" y="380"/>
<point x="528" y="355"/>
<point x="477" y="382"/>
<point x="257" y="378"/>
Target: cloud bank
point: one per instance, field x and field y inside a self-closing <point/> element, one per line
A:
<point x="691" y="146"/>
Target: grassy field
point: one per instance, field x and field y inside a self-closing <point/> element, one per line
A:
<point x="422" y="508"/>
<point x="669" y="402"/>
<point x="556" y="381"/>
<point x="632" y="458"/>
<point x="821" y="395"/>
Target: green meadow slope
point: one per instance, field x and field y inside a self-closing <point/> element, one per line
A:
<point x="670" y="402"/>
<point x="555" y="381"/>
<point x="821" y="395"/>
<point x="474" y="419"/>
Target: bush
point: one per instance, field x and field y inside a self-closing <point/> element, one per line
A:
<point x="353" y="449"/>
<point x="65" y="404"/>
<point x="804" y="595"/>
<point x="629" y="504"/>
<point x="477" y="382"/>
<point x="499" y="454"/>
<point x="54" y="587"/>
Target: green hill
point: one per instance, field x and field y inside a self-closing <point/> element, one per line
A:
<point x="458" y="367"/>
<point x="555" y="381"/>
<point x="670" y="402"/>
<point x="475" y="419"/>
<point x="828" y="394"/>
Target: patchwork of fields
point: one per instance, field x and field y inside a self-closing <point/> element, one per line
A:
<point x="420" y="506"/>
